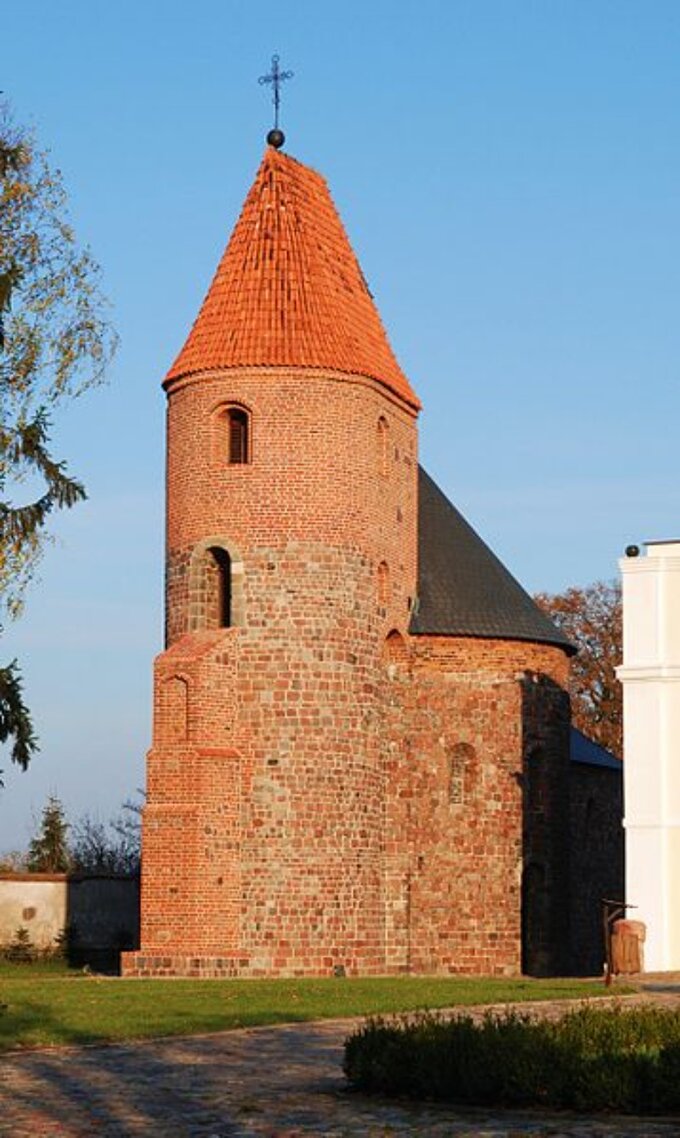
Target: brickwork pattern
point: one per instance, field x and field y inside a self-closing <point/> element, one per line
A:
<point x="456" y="845"/>
<point x="264" y="829"/>
<point x="325" y="792"/>
<point x="546" y="836"/>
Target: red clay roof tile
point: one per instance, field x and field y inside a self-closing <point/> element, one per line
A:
<point x="289" y="290"/>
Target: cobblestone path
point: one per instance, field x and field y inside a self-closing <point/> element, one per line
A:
<point x="278" y="1082"/>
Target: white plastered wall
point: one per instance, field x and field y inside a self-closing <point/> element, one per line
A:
<point x="650" y="674"/>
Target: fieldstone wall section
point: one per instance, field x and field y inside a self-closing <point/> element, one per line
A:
<point x="458" y="748"/>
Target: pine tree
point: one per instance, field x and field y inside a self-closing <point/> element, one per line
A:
<point x="21" y="949"/>
<point x="54" y="343"/>
<point x="48" y="851"/>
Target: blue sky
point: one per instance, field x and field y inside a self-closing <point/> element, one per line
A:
<point x="509" y="175"/>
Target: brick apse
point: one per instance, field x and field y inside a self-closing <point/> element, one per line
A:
<point x="360" y="754"/>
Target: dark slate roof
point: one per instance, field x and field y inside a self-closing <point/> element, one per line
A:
<point x="463" y="589"/>
<point x="591" y="754"/>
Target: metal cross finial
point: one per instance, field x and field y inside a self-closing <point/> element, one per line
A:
<point x="276" y="78"/>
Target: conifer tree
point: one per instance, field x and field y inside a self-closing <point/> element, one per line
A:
<point x="48" y="851"/>
<point x="55" y="341"/>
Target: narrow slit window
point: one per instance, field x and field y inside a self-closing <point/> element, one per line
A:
<point x="238" y="436"/>
<point x="383" y="440"/>
<point x="218" y="588"/>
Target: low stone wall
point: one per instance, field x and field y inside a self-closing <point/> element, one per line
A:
<point x="101" y="912"/>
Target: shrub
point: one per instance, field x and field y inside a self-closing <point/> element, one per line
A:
<point x="591" y="1059"/>
<point x="66" y="944"/>
<point x="113" y="847"/>
<point x="21" y="949"/>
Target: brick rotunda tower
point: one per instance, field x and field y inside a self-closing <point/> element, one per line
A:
<point x="291" y="544"/>
<point x="352" y="684"/>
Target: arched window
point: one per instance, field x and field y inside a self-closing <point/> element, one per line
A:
<point x="238" y="436"/>
<point x="231" y="435"/>
<point x="216" y="586"/>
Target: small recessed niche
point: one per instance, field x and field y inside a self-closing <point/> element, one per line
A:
<point x="382" y="439"/>
<point x="383" y="584"/>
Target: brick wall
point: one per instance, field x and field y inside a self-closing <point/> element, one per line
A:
<point x="463" y="716"/>
<point x="316" y="475"/>
<point x="324" y="791"/>
<point x="264" y="829"/>
<point x="546" y="836"/>
<point x="453" y="853"/>
<point x="597" y="858"/>
<point x="411" y="860"/>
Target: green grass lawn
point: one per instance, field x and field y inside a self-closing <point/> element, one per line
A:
<point x="43" y="1008"/>
<point x="38" y="969"/>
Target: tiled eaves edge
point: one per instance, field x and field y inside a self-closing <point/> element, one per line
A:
<point x="475" y="634"/>
<point x="175" y="383"/>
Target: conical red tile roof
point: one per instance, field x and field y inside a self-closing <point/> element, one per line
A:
<point x="289" y="290"/>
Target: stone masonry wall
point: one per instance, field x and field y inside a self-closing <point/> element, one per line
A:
<point x="546" y="844"/>
<point x="425" y="871"/>
<point x="453" y="856"/>
<point x="325" y="792"/>
<point x="264" y="828"/>
<point x="264" y="824"/>
<point x="597" y="860"/>
<point x="460" y="729"/>
<point x="334" y="462"/>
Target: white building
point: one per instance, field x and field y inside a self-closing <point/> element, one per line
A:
<point x="650" y="674"/>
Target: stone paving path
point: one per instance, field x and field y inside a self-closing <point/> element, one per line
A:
<point x="278" y="1082"/>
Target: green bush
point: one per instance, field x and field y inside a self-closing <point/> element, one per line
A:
<point x="591" y="1059"/>
<point x="21" y="949"/>
<point x="66" y="944"/>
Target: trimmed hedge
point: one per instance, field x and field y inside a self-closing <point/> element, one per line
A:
<point x="591" y="1059"/>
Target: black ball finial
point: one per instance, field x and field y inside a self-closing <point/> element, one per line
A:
<point x="276" y="138"/>
<point x="632" y="551"/>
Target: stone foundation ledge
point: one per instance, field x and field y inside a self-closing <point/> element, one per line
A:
<point x="150" y="963"/>
<point x="145" y="964"/>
